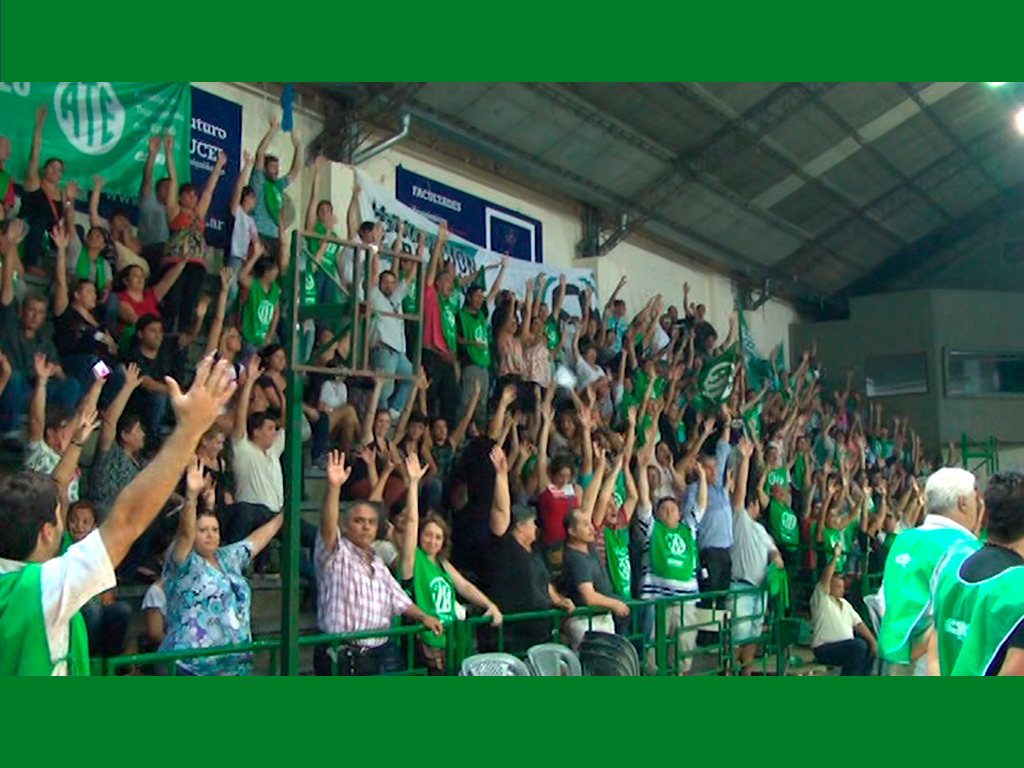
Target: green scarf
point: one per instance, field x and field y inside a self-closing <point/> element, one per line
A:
<point x="83" y="269"/>
<point x="778" y="585"/>
<point x="616" y="550"/>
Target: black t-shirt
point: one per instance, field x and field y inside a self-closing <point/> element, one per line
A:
<point x="579" y="568"/>
<point x="987" y="562"/>
<point x="74" y="335"/>
<point x="519" y="578"/>
<point x="41" y="217"/>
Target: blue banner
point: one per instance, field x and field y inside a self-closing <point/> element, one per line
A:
<point x="479" y="221"/>
<point x="216" y="125"/>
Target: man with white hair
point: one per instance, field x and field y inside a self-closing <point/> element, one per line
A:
<point x="954" y="510"/>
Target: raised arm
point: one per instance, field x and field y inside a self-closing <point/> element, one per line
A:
<point x="37" y="406"/>
<point x="252" y="373"/>
<point x="186" y="535"/>
<point x="169" y="279"/>
<point x="66" y="468"/>
<point x="501" y="508"/>
<point x="436" y="253"/>
<point x="371" y="412"/>
<point x="459" y="434"/>
<point x="140" y="502"/>
<point x="337" y="474"/>
<point x="152" y="148"/>
<point x="217" y="324"/>
<point x="60" y="271"/>
<point x="496" y="286"/>
<point x="32" y="180"/>
<point x="171" y="206"/>
<point x="830" y="569"/>
<point x="261" y="149"/>
<point x="16" y="230"/>
<point x="293" y="172"/>
<point x="240" y="181"/>
<point x="414" y="472"/>
<point x="108" y="429"/>
<point x="211" y="184"/>
<point x="739" y="489"/>
<point x="352" y="215"/>
<point x="314" y="192"/>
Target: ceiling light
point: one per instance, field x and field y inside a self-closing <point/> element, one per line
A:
<point x="1019" y="120"/>
<point x="995" y="85"/>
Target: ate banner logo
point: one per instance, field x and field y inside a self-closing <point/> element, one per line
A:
<point x="90" y="116"/>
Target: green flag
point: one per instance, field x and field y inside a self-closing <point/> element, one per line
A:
<point x="758" y="369"/>
<point x="98" y="128"/>
<point x="716" y="379"/>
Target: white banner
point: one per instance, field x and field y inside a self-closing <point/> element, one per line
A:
<point x="375" y="204"/>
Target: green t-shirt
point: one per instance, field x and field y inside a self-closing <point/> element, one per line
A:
<point x="673" y="552"/>
<point x="449" y="309"/>
<point x="616" y="548"/>
<point x="476" y="328"/>
<point x="783" y="524"/>
<point x="258" y="312"/>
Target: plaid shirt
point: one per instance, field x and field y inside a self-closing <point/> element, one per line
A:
<point x="353" y="595"/>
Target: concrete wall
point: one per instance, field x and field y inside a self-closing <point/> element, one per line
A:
<point x="929" y="322"/>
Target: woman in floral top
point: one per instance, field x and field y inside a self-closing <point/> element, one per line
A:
<point x="208" y="596"/>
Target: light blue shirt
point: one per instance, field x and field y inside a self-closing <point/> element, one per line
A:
<point x="715" y="529"/>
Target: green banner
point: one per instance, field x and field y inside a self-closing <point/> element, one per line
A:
<point x="97" y="128"/>
<point x="757" y="368"/>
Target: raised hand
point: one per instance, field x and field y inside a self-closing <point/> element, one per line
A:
<point x="71" y="191"/>
<point x="253" y="368"/>
<point x="44" y="370"/>
<point x="195" y="479"/>
<point x="337" y="472"/>
<point x="197" y="409"/>
<point x="59" y="237"/>
<point x="414" y="470"/>
<point x="225" y="278"/>
<point x="153" y="144"/>
<point x="746" y="448"/>
<point x="508" y="394"/>
<point x="319" y="162"/>
<point x="41" y="115"/>
<point x="98" y="181"/>
<point x="87" y="422"/>
<point x="132" y="376"/>
<point x="498" y="460"/>
<point x="246" y="158"/>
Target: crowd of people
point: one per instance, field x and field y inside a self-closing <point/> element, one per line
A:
<point x="537" y="460"/>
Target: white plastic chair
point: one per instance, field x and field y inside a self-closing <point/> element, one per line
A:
<point x="553" y="660"/>
<point x="494" y="665"/>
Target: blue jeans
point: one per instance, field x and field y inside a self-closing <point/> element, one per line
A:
<point x="851" y="655"/>
<point x="14" y="400"/>
<point x="389" y="361"/>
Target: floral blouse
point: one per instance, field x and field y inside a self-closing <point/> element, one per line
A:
<point x="207" y="608"/>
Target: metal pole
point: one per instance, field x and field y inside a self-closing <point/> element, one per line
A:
<point x="292" y="479"/>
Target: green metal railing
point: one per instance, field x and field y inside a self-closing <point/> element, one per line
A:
<point x="648" y="630"/>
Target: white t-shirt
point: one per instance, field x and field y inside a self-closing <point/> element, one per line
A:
<point x="751" y="547"/>
<point x="832" y="621"/>
<point x="155" y="598"/>
<point x="243" y="235"/>
<point x="258" y="475"/>
<point x="68" y="582"/>
<point x="42" y="458"/>
<point x="588" y="373"/>
<point x="333" y="393"/>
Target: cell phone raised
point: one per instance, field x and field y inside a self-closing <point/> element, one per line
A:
<point x="101" y="370"/>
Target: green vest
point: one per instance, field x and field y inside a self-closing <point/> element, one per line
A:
<point x="328" y="264"/>
<point x="973" y="621"/>
<point x="798" y="472"/>
<point x="673" y="553"/>
<point x="83" y="269"/>
<point x="259" y="311"/>
<point x="448" y="309"/>
<point x="783" y="523"/>
<point x="24" y="649"/>
<point x="616" y="550"/>
<point x="476" y="328"/>
<point x="434" y="593"/>
<point x="907" y="584"/>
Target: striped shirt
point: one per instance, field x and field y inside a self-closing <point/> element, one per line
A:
<point x="354" y="595"/>
<point x="651" y="586"/>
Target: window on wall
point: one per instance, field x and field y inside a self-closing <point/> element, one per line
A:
<point x="891" y="375"/>
<point x="984" y="374"/>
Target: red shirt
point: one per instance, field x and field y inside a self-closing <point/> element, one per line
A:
<point x="148" y="305"/>
<point x="552" y="507"/>
<point x="433" y="337"/>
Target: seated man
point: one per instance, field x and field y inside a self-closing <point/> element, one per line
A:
<point x="22" y="337"/>
<point x="835" y="622"/>
<point x="41" y="594"/>
<point x="519" y="580"/>
<point x="355" y="590"/>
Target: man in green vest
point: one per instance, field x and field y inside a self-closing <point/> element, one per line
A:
<point x="473" y="339"/>
<point x="953" y="514"/>
<point x="41" y="630"/>
<point x="978" y="596"/>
